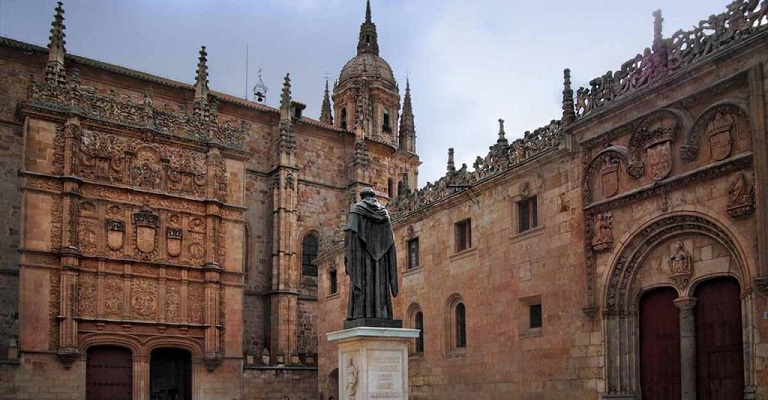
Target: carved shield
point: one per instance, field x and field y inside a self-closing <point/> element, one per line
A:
<point x="609" y="176"/>
<point x="146" y="223"/>
<point x="720" y="145"/>
<point x="659" y="160"/>
<point x="173" y="236"/>
<point x="145" y="238"/>
<point x="115" y="233"/>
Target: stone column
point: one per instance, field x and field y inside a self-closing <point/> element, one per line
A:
<point x="141" y="377"/>
<point x="687" y="348"/>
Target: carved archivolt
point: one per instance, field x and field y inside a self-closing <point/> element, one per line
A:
<point x="719" y="126"/>
<point x="616" y="297"/>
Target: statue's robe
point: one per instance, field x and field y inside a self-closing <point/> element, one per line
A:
<point x="370" y="261"/>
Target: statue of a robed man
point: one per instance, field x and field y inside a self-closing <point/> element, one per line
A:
<point x="371" y="263"/>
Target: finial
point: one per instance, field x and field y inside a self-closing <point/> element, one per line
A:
<point x="569" y="112"/>
<point x="285" y="97"/>
<point x="201" y="78"/>
<point x="367" y="11"/>
<point x="451" y="166"/>
<point x="407" y="124"/>
<point x="657" y="20"/>
<point x="502" y="139"/>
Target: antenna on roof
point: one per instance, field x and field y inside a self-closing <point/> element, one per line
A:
<point x="246" y="71"/>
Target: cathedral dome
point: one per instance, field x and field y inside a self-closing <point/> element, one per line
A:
<point x="367" y="65"/>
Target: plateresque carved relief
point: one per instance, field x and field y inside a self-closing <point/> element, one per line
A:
<point x="680" y="265"/>
<point x="603" y="239"/>
<point x="741" y="196"/>
<point x="652" y="142"/>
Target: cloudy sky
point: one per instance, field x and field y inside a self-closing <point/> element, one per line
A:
<point x="470" y="62"/>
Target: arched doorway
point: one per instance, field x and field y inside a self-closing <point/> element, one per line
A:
<point x="719" y="347"/>
<point x="170" y="375"/>
<point x="333" y="384"/>
<point x="659" y="345"/>
<point x="108" y="373"/>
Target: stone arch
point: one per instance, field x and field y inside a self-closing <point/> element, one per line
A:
<point x="690" y="149"/>
<point x="194" y="347"/>
<point x="612" y="155"/>
<point x="132" y="343"/>
<point x="625" y="264"/>
<point x="411" y="314"/>
<point x="309" y="239"/>
<point x="621" y="297"/>
<point x="454" y="300"/>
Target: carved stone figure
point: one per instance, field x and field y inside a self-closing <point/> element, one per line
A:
<point x="680" y="265"/>
<point x="370" y="260"/>
<point x="351" y="379"/>
<point x="741" y="197"/>
<point x="603" y="239"/>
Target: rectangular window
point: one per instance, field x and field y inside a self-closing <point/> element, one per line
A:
<point x="413" y="253"/>
<point x="528" y="214"/>
<point x="332" y="289"/>
<point x="535" y="316"/>
<point x="463" y="235"/>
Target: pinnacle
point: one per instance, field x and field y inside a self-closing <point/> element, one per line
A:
<point x="56" y="39"/>
<point x="285" y="97"/>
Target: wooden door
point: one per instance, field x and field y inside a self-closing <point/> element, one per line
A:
<point x="719" y="351"/>
<point x="108" y="373"/>
<point x="659" y="345"/>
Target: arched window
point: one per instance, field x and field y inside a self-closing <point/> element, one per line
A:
<point x="343" y="119"/>
<point x="418" y="323"/>
<point x="308" y="255"/>
<point x="461" y="326"/>
<point x="390" y="188"/>
<point x="385" y="121"/>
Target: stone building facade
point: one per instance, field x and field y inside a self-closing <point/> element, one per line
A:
<point x="158" y="238"/>
<point x="618" y="252"/>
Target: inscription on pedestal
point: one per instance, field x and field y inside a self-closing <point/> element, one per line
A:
<point x="385" y="380"/>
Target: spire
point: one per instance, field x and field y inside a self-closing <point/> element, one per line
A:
<point x="368" y="42"/>
<point x="407" y="125"/>
<point x="54" y="69"/>
<point x="502" y="139"/>
<point x="201" y="80"/>
<point x="285" y="98"/>
<point x="325" y="111"/>
<point x="569" y="112"/>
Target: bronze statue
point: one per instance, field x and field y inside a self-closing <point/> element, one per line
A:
<point x="371" y="263"/>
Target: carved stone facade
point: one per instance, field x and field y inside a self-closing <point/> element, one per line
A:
<point x="157" y="215"/>
<point x="654" y="181"/>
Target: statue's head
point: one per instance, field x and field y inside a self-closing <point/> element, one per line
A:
<point x="366" y="193"/>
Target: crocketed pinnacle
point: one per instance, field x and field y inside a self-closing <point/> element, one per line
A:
<point x="56" y="41"/>
<point x="325" y="110"/>
<point x="368" y="42"/>
<point x="407" y="124"/>
<point x="201" y="78"/>
<point x="285" y="96"/>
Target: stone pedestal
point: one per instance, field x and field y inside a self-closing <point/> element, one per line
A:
<point x="373" y="362"/>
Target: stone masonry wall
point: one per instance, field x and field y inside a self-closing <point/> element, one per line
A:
<point x="276" y="384"/>
<point x="13" y="79"/>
